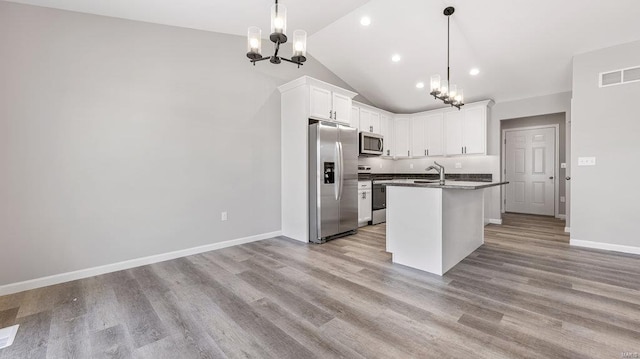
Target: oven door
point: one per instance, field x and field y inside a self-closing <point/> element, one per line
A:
<point x="379" y="196"/>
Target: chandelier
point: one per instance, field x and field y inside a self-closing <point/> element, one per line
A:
<point x="444" y="90"/>
<point x="278" y="37"/>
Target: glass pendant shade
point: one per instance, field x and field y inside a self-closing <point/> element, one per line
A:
<point x="459" y="99"/>
<point x="444" y="88"/>
<point x="453" y="92"/>
<point x="278" y="19"/>
<point x="299" y="46"/>
<point x="435" y="84"/>
<point x="254" y="42"/>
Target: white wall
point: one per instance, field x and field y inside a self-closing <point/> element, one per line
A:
<point x="606" y="124"/>
<point x="123" y="139"/>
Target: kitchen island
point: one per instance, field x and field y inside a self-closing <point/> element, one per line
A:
<point x="433" y="226"/>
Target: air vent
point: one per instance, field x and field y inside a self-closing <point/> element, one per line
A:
<point x="631" y="75"/>
<point x="619" y="77"/>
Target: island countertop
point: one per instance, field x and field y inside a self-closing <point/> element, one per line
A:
<point x="450" y="185"/>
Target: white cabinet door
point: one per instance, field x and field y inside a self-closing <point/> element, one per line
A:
<point x="418" y="143"/>
<point x="434" y="127"/>
<point x="364" y="206"/>
<point x="374" y="120"/>
<point x="355" y="118"/>
<point x="320" y="103"/>
<point x="365" y="120"/>
<point x="386" y="130"/>
<point x="473" y="130"/>
<point x="402" y="138"/>
<point x="453" y="132"/>
<point x="341" y="108"/>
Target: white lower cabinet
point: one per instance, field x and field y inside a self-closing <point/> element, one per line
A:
<point x="364" y="203"/>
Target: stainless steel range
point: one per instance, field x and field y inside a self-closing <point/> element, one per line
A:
<point x="379" y="200"/>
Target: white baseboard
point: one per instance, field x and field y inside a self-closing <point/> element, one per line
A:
<point x="605" y="246"/>
<point x="495" y="221"/>
<point x="90" y="272"/>
<point x="561" y="216"/>
<point x="567" y="229"/>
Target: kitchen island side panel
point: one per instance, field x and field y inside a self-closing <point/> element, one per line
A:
<point x="414" y="227"/>
<point x="462" y="226"/>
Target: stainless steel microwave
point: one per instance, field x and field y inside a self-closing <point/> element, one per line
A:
<point x="371" y="144"/>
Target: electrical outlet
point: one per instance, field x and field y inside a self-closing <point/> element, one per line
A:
<point x="411" y="165"/>
<point x="562" y="199"/>
<point x="586" y="161"/>
<point x="381" y="166"/>
<point x="458" y="165"/>
<point x="223" y="216"/>
<point x="563" y="165"/>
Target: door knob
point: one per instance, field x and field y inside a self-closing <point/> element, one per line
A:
<point x="568" y="178"/>
<point x="551" y="177"/>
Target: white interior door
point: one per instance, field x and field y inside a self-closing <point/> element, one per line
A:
<point x="530" y="171"/>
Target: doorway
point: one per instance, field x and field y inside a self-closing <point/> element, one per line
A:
<point x="530" y="158"/>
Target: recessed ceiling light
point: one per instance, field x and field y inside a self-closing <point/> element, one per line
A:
<point x="365" y="21"/>
<point x="420" y="85"/>
<point x="474" y="72"/>
<point x="395" y="58"/>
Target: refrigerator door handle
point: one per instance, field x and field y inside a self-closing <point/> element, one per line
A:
<point x="341" y="174"/>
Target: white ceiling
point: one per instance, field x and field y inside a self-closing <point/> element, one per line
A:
<point x="522" y="47"/>
<point x="228" y="16"/>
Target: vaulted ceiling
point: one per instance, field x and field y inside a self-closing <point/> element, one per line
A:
<point x="523" y="48"/>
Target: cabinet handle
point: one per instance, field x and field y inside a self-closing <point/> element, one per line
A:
<point x="330" y="114"/>
<point x="465" y="149"/>
<point x="364" y="195"/>
<point x="371" y="129"/>
<point x="462" y="149"/>
<point x="388" y="152"/>
<point x="408" y="155"/>
<point x="425" y="152"/>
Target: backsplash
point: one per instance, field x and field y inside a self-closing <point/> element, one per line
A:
<point x="473" y="177"/>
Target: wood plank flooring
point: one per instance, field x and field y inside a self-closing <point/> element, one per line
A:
<point x="524" y="294"/>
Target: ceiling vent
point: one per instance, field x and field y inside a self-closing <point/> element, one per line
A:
<point x="619" y="77"/>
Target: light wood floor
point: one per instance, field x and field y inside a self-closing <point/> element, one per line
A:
<point x="525" y="293"/>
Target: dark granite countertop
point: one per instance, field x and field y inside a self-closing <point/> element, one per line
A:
<point x="470" y="177"/>
<point x="450" y="185"/>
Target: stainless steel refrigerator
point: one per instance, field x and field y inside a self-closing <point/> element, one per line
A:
<point x="333" y="181"/>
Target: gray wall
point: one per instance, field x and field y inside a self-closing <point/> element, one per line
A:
<point x="122" y="139"/>
<point x="544" y="120"/>
<point x="605" y="125"/>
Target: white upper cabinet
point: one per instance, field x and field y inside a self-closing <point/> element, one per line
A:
<point x="320" y="105"/>
<point x="341" y="108"/>
<point x="453" y="132"/>
<point x="402" y="137"/>
<point x="434" y="137"/>
<point x="418" y="137"/>
<point x="355" y="118"/>
<point x="369" y="120"/>
<point x="329" y="103"/>
<point x="386" y="130"/>
<point x="466" y="131"/>
<point x="474" y="133"/>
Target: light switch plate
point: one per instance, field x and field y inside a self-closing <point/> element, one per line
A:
<point x="562" y="199"/>
<point x="411" y="165"/>
<point x="563" y="165"/>
<point x="586" y="161"/>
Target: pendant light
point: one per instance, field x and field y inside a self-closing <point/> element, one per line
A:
<point x="444" y="90"/>
<point x="278" y="36"/>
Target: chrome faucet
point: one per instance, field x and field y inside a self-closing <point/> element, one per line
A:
<point x="439" y="168"/>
